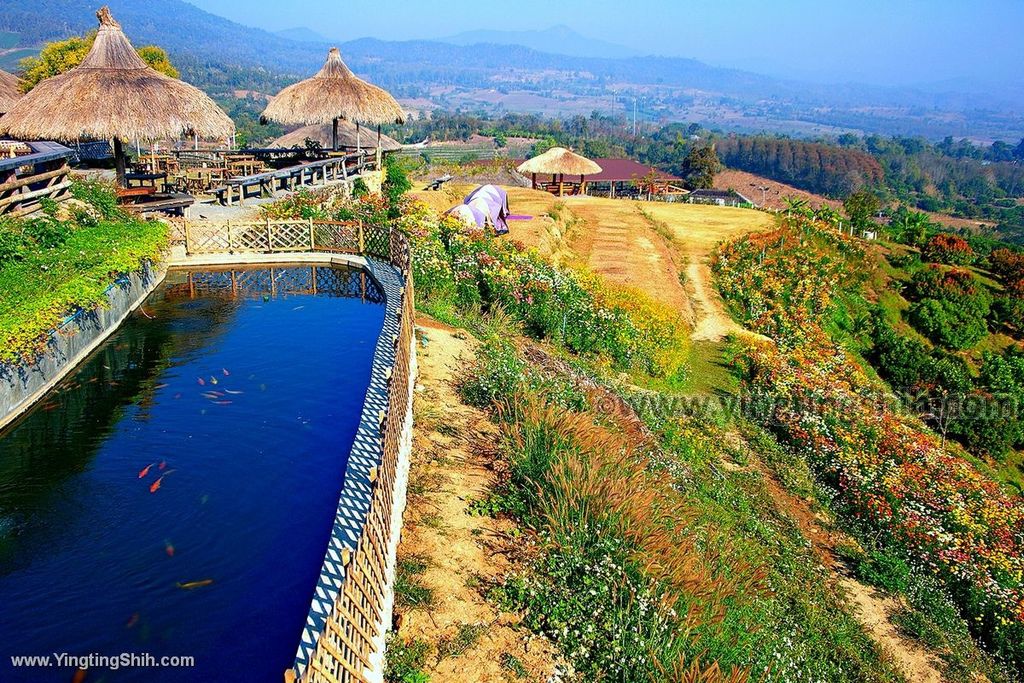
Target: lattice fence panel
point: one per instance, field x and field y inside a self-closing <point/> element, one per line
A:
<point x="339" y="237"/>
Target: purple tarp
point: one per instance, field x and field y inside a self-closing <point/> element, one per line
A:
<point x="492" y="202"/>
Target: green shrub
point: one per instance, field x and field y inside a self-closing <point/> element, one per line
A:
<point x="405" y="660"/>
<point x="956" y="324"/>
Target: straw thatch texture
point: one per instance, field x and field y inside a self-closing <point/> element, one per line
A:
<point x="334" y="93"/>
<point x="559" y="160"/>
<point x="114" y="94"/>
<point x="9" y="92"/>
<point x="346" y="137"/>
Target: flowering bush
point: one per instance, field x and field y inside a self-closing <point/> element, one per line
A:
<point x="886" y="472"/>
<point x="950" y="249"/>
<point x="475" y="270"/>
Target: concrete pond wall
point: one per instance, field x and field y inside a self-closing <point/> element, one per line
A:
<point x="22" y="384"/>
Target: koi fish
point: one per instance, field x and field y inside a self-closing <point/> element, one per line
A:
<point x="162" y="465"/>
<point x="178" y="395"/>
<point x="155" y="485"/>
<point x="79" y="675"/>
<point x="190" y="585"/>
<point x="169" y="549"/>
<point x="222" y="403"/>
<point x="213" y="380"/>
<point x="211" y="394"/>
<point x="145" y="470"/>
<point x="225" y="371"/>
<point x="235" y="392"/>
<point x="132" y="620"/>
<point x="161" y="386"/>
<point x="201" y="381"/>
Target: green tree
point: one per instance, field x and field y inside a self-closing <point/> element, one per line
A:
<point x="63" y="55"/>
<point x="700" y="166"/>
<point x="861" y="207"/>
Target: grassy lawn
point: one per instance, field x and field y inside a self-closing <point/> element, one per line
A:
<point x="49" y="268"/>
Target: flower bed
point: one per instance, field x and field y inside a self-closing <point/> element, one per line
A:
<point x="889" y="475"/>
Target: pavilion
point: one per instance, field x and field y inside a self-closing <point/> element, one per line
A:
<point x="557" y="163"/>
<point x="9" y="92"/>
<point x="335" y="93"/>
<point x="114" y="95"/>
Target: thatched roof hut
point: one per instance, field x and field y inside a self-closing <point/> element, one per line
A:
<point x="114" y="94"/>
<point x="334" y="93"/>
<point x="9" y="92"/>
<point x="559" y="161"/>
<point x="323" y="134"/>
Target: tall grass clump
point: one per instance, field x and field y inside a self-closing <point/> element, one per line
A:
<point x="614" y="576"/>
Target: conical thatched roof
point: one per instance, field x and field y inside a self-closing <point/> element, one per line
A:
<point x="559" y="160"/>
<point x="334" y="93"/>
<point x="346" y="137"/>
<point x="9" y="92"/>
<point x="114" y="94"/>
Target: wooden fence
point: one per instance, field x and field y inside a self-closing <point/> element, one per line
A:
<point x="348" y="649"/>
<point x="339" y="237"/>
<point x="28" y="179"/>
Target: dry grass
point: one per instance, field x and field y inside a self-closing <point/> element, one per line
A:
<point x="114" y="94"/>
<point x="334" y="92"/>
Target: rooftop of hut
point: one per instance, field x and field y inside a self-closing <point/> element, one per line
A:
<point x="9" y="92"/>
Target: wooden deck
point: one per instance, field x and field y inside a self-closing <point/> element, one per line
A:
<point x="28" y="179"/>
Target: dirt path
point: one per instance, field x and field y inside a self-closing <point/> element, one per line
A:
<point x="870" y="607"/>
<point x="458" y="554"/>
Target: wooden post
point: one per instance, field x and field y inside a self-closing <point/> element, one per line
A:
<point x="269" y="236"/>
<point x="362" y="245"/>
<point x="359" y="146"/>
<point x="378" y="147"/>
<point x="229" y="236"/>
<point x="561" y="184"/>
<point x="119" y="162"/>
<point x="334" y="134"/>
<point x="188" y="238"/>
<point x="312" y="243"/>
<point x="535" y="181"/>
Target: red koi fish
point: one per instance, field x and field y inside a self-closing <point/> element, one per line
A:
<point x="201" y="381"/>
<point x="222" y="403"/>
<point x="225" y="371"/>
<point x="162" y="465"/>
<point x="145" y="470"/>
<point x="159" y="482"/>
<point x="132" y="620"/>
<point x="169" y="549"/>
<point x="79" y="676"/>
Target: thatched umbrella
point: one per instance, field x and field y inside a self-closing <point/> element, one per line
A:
<point x="9" y="92"/>
<point x="335" y="93"/>
<point x="323" y="134"/>
<point x="559" y="161"/>
<point x="113" y="94"/>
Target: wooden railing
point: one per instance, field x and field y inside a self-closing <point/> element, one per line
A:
<point x="349" y="647"/>
<point x="341" y="237"/>
<point x="28" y="179"/>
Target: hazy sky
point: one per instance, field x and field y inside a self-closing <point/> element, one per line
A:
<point x="870" y="41"/>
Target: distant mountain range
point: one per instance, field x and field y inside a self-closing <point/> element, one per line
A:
<point x="560" y="40"/>
<point x="222" y="55"/>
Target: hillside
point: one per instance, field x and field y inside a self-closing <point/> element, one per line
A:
<point x="216" y="53"/>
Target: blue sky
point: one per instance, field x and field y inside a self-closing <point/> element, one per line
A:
<point x="870" y="41"/>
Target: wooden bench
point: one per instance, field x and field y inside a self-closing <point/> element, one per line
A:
<point x="172" y="203"/>
<point x="131" y="195"/>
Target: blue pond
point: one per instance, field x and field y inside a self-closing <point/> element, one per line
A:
<point x="236" y="396"/>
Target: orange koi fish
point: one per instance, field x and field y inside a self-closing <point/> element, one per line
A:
<point x="155" y="485"/>
<point x="169" y="549"/>
<point x="79" y="675"/>
<point x="145" y="470"/>
<point x="189" y="585"/>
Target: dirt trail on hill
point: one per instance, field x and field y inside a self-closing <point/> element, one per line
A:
<point x="453" y="452"/>
<point x="869" y="606"/>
